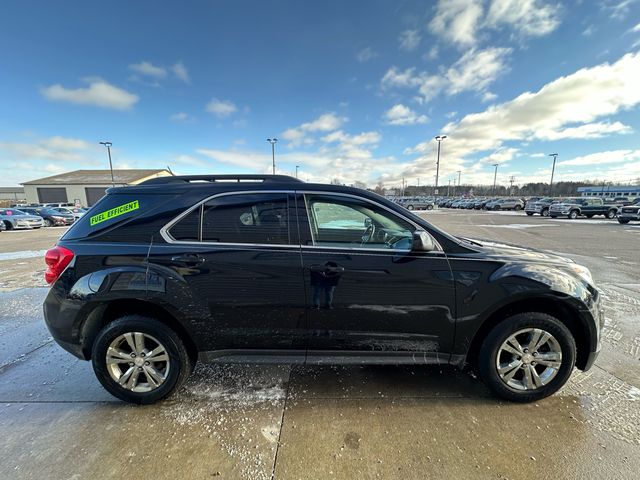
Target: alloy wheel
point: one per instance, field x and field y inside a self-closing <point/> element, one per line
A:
<point x="137" y="362"/>
<point x="529" y="359"/>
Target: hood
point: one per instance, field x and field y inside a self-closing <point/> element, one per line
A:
<point x="507" y="251"/>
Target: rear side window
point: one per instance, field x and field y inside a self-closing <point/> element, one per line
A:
<point x="256" y="218"/>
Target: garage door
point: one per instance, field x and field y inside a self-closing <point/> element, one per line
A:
<point x="52" y="195"/>
<point x="94" y="194"/>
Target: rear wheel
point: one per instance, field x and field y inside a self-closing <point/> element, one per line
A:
<point x="517" y="207"/>
<point x="573" y="214"/>
<point x="409" y="207"/>
<point x="545" y="212"/>
<point x="139" y="359"/>
<point x="611" y="214"/>
<point x="48" y="223"/>
<point x="429" y="207"/>
<point x="527" y="357"/>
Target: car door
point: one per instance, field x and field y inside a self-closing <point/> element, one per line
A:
<point x="369" y="296"/>
<point x="240" y="256"/>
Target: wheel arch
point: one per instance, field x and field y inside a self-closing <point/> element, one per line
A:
<point x="557" y="308"/>
<point x="106" y="313"/>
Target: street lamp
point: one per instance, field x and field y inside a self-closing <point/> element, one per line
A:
<point x="553" y="169"/>
<point x="108" y="145"/>
<point x="439" y="138"/>
<point x="273" y="142"/>
<point x="459" y="173"/>
<point x="297" y="167"/>
<point x="495" y="175"/>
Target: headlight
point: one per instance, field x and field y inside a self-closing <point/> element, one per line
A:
<point x="582" y="271"/>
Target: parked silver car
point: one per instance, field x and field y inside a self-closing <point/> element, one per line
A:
<point x="506" y="204"/>
<point x="17" y="219"/>
<point x="77" y="212"/>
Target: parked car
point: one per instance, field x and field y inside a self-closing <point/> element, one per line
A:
<point x="13" y="218"/>
<point x="268" y="268"/>
<point x="506" y="204"/>
<point x="418" y="204"/>
<point x="541" y="206"/>
<point x="52" y="218"/>
<point x="580" y="206"/>
<point x="630" y="212"/>
<point x="75" y="211"/>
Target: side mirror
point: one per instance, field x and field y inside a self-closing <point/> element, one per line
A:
<point x="422" y="242"/>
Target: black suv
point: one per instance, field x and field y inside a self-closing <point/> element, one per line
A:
<point x="269" y="269"/>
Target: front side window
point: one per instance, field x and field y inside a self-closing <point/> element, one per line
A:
<point x="256" y="218"/>
<point x="337" y="221"/>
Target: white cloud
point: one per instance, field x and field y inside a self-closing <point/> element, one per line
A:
<point x="400" y="114"/>
<point x="457" y="21"/>
<point x="221" y="108"/>
<point x="618" y="9"/>
<point x="58" y="149"/>
<point x="180" y="71"/>
<point x="533" y="18"/>
<point x="181" y="117"/>
<point x="190" y="161"/>
<point x="598" y="158"/>
<point x="568" y="107"/>
<point x="409" y="40"/>
<point x="636" y="29"/>
<point x="324" y="123"/>
<point x="474" y="71"/>
<point x="587" y="130"/>
<point x="366" y="54"/>
<point x="148" y="69"/>
<point x="99" y="93"/>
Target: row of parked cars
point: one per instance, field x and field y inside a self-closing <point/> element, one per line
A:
<point x="35" y="216"/>
<point x="625" y="209"/>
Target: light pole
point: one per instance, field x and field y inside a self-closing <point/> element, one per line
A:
<point x="495" y="175"/>
<point x="439" y="138"/>
<point x="449" y="186"/>
<point x="297" y="167"/>
<point x="273" y="142"/>
<point x="459" y="173"/>
<point x="108" y="145"/>
<point x="553" y="169"/>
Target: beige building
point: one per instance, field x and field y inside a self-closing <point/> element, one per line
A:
<point x="84" y="187"/>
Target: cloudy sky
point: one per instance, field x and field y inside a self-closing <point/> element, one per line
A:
<point x="353" y="90"/>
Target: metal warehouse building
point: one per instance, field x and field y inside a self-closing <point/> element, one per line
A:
<point x="15" y="194"/>
<point x="610" y="191"/>
<point x="84" y="187"/>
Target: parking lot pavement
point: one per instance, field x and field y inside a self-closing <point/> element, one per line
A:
<point x="252" y="422"/>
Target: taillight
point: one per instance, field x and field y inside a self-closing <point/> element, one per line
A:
<point x="57" y="260"/>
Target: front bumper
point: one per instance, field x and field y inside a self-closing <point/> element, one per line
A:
<point x="629" y="216"/>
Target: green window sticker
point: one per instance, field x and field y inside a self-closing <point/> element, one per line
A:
<point x="114" y="212"/>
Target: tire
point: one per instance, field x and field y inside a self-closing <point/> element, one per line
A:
<point x="573" y="214"/>
<point x="611" y="214"/>
<point x="176" y="369"/>
<point x="530" y="214"/>
<point x="623" y="220"/>
<point x="517" y="207"/>
<point x="429" y="207"/>
<point x="48" y="223"/>
<point x="9" y="225"/>
<point x="488" y="359"/>
<point x="545" y="212"/>
<point x="409" y="207"/>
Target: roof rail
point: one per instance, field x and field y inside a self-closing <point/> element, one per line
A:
<point x="178" y="179"/>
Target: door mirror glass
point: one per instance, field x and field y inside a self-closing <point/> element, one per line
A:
<point x="422" y="242"/>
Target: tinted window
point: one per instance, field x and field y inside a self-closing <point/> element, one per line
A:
<point x="250" y="218"/>
<point x="188" y="228"/>
<point x="351" y="222"/>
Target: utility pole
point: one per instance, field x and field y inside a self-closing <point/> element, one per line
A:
<point x="439" y="138"/>
<point x="511" y="180"/>
<point x="448" y="187"/>
<point x="403" y="187"/>
<point x="108" y="145"/>
<point x="495" y="175"/>
<point x="459" y="173"/>
<point x="553" y="169"/>
<point x="273" y="142"/>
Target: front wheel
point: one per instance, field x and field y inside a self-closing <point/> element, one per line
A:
<point x="409" y="207"/>
<point x="527" y="357"/>
<point x="48" y="223"/>
<point x="140" y="360"/>
<point x="573" y="214"/>
<point x="545" y="212"/>
<point x="611" y="214"/>
<point x="429" y="207"/>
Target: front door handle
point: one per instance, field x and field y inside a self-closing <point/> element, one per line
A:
<point x="329" y="269"/>
<point x="188" y="259"/>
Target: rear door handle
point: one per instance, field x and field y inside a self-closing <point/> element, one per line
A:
<point x="188" y="259"/>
